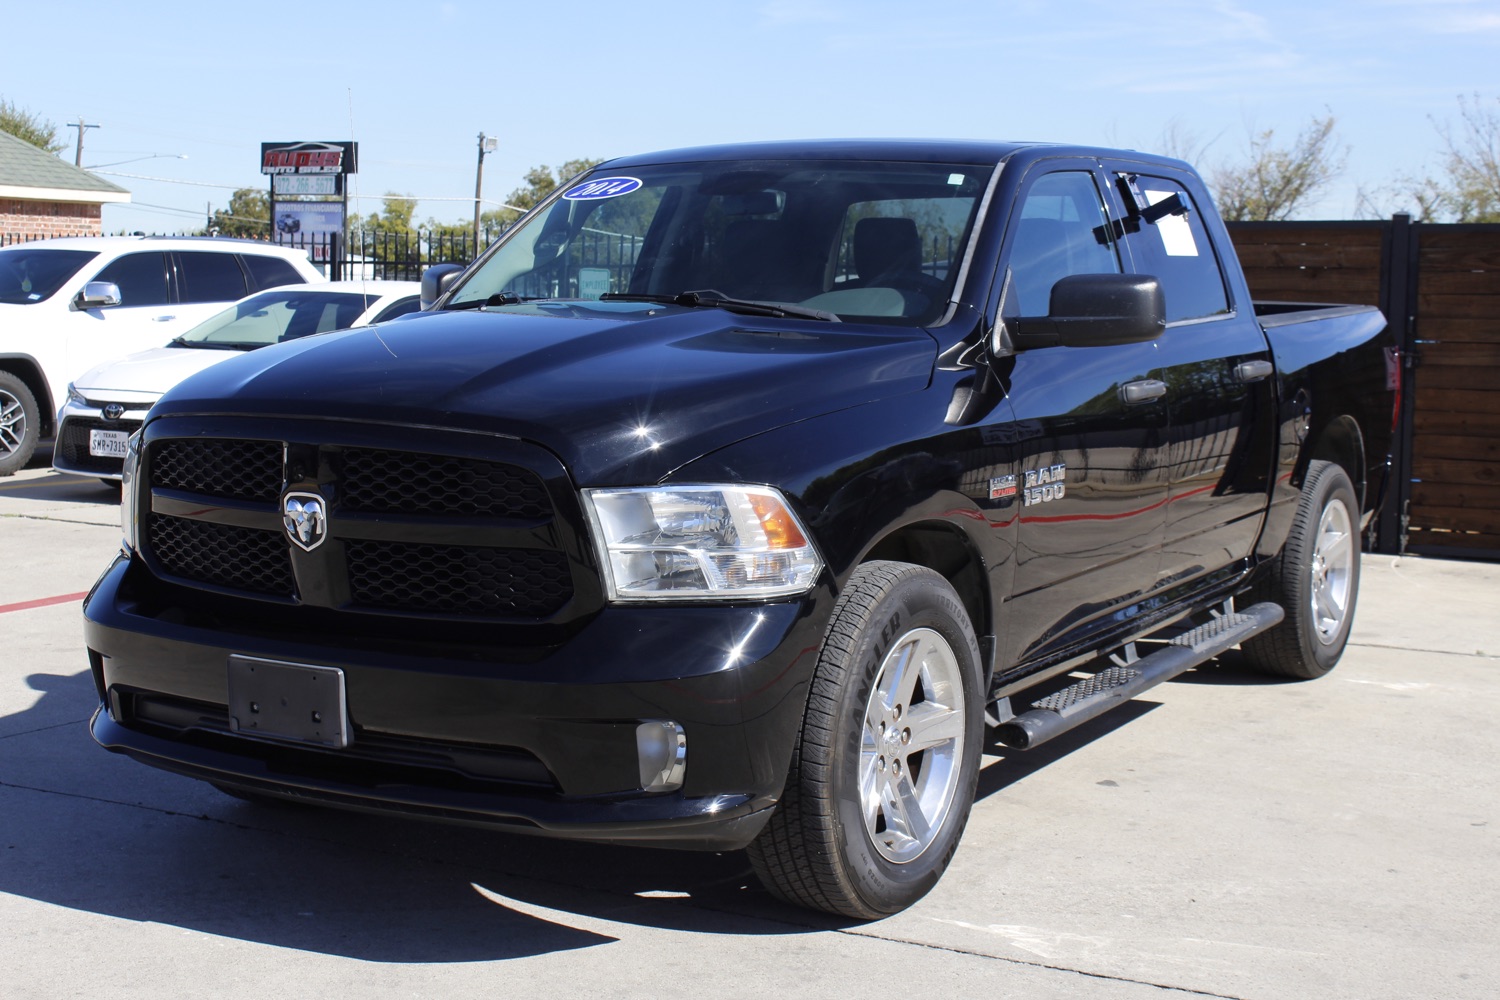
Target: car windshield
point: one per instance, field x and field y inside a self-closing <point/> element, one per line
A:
<point x="840" y="239"/>
<point x="274" y="316"/>
<point x="31" y="274"/>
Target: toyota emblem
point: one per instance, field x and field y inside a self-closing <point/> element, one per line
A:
<point x="113" y="411"/>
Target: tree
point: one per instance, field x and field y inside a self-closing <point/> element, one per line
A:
<point x="32" y="128"/>
<point x="1278" y="180"/>
<point x="399" y="210"/>
<point x="248" y="214"/>
<point x="1469" y="190"/>
<point x="540" y="182"/>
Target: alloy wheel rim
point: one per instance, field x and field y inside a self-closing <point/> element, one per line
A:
<point x="912" y="746"/>
<point x="12" y="423"/>
<point x="1332" y="572"/>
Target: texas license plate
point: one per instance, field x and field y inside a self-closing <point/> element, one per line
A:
<point x="296" y="702"/>
<point x="107" y="444"/>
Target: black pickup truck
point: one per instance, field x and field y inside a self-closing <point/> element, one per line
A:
<point x="726" y="499"/>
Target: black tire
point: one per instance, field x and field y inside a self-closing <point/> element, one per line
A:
<point x="20" y="424"/>
<point x="829" y="846"/>
<point x="1315" y="579"/>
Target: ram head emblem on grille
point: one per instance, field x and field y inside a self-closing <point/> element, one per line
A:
<point x="306" y="519"/>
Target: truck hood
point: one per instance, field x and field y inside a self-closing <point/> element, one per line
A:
<point x="147" y="373"/>
<point x="621" y="392"/>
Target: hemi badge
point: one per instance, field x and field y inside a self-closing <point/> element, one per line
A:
<point x="1002" y="487"/>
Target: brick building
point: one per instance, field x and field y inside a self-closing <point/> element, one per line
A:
<point x="42" y="196"/>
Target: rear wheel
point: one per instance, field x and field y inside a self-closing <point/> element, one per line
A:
<point x="20" y="424"/>
<point x="1316" y="579"/>
<point x="883" y="774"/>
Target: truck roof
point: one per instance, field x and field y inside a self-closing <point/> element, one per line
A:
<point x="971" y="151"/>
<point x="914" y="150"/>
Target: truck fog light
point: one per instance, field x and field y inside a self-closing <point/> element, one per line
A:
<point x="661" y="747"/>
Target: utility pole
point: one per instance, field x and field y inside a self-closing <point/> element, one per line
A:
<point x="80" y="125"/>
<point x="487" y="144"/>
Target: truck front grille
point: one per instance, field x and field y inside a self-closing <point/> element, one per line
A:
<point x="409" y="532"/>
<point x="235" y="470"/>
<point x="399" y="482"/>
<point x="487" y="583"/>
<point x="222" y="554"/>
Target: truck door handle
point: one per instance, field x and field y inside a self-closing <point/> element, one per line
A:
<point x="1253" y="371"/>
<point x="162" y="319"/>
<point x="1143" y="391"/>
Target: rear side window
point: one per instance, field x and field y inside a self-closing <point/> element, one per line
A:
<point x="271" y="272"/>
<point x="210" y="277"/>
<point x="1176" y="249"/>
<point x="141" y="277"/>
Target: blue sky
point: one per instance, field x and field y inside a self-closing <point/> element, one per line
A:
<point x="414" y="84"/>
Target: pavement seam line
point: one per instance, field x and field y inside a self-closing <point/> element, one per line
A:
<point x="1436" y="652"/>
<point x="1040" y="965"/>
<point x="61" y="520"/>
<point x="43" y="729"/>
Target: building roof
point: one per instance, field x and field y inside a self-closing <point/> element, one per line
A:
<point x="35" y="174"/>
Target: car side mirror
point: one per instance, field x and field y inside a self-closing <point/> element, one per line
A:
<point x="99" y="295"/>
<point x="1095" y="310"/>
<point x="436" y="280"/>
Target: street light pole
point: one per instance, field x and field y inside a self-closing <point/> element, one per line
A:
<point x="487" y="144"/>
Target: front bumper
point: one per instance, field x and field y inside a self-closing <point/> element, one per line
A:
<point x="530" y="739"/>
<point x="72" y="451"/>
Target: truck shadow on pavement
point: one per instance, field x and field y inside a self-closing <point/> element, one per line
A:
<point x="88" y="830"/>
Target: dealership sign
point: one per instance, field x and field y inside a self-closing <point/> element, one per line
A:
<point x="309" y="157"/>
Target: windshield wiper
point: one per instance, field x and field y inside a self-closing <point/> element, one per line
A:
<point x="498" y="299"/>
<point x="208" y="345"/>
<point x="711" y="299"/>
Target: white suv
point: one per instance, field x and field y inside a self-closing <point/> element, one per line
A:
<point x="67" y="305"/>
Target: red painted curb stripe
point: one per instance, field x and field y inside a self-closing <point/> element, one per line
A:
<point x="43" y="602"/>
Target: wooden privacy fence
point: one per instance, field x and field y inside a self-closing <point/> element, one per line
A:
<point x="1440" y="286"/>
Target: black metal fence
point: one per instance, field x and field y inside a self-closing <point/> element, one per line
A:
<point x="385" y="254"/>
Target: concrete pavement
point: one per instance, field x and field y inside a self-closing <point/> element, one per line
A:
<point x="1223" y="836"/>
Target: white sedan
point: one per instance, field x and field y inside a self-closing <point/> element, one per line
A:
<point x="108" y="402"/>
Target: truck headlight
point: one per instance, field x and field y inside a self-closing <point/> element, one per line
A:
<point x="127" y="493"/>
<point x="694" y="542"/>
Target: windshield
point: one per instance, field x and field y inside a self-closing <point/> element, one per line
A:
<point x="29" y="275"/>
<point x="282" y="314"/>
<point x="864" y="240"/>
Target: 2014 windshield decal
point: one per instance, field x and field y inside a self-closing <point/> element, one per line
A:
<point x="602" y="187"/>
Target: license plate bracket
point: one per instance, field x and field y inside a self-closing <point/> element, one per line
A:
<point x="291" y="702"/>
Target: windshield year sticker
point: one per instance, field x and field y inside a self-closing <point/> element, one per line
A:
<point x="602" y="187"/>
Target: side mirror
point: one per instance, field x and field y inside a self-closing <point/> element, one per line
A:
<point x="436" y="280"/>
<point x="1096" y="310"/>
<point x="99" y="295"/>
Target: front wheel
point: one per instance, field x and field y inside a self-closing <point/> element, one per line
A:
<point x="1315" y="579"/>
<point x="884" y="771"/>
<point x="20" y="424"/>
